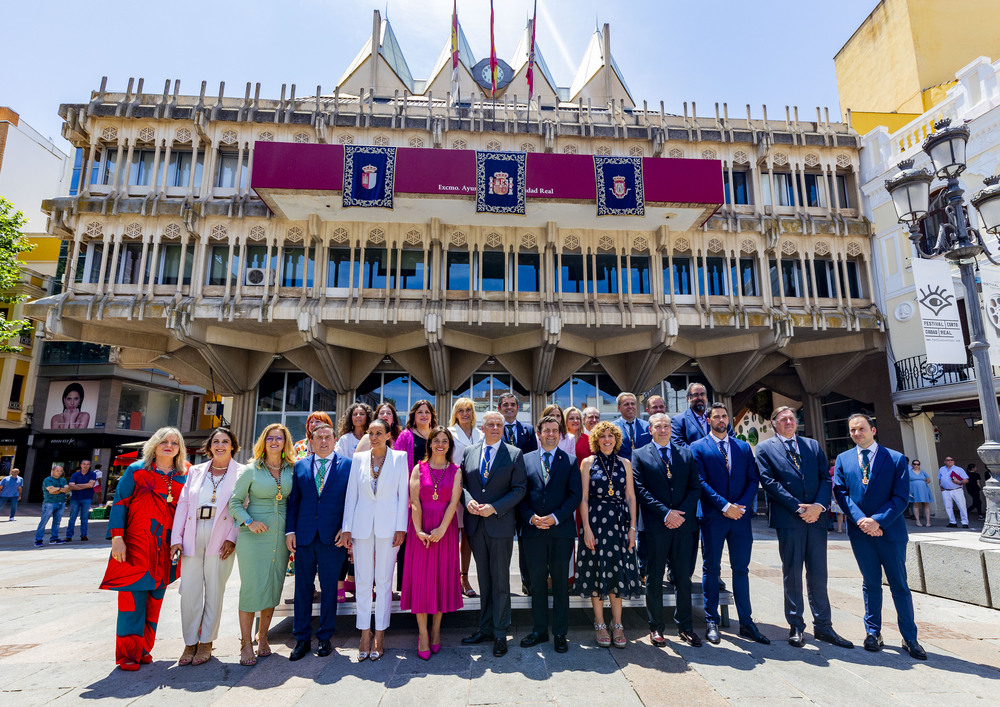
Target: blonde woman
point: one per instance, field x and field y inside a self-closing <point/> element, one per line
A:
<point x="465" y="433"/>
<point x="139" y="528"/>
<point x="258" y="505"/>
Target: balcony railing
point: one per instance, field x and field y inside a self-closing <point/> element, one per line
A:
<point x="915" y="372"/>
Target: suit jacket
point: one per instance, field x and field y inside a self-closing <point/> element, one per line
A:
<point x="504" y="489"/>
<point x="524" y="436"/>
<point x="787" y="486"/>
<point x="560" y="497"/>
<point x="685" y="429"/>
<point x="312" y="515"/>
<point x="659" y="495"/>
<point x="224" y="528"/>
<point x="719" y="485"/>
<point x="642" y="436"/>
<point x="884" y="498"/>
<point x="384" y="511"/>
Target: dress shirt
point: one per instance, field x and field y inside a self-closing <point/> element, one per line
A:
<point x="944" y="477"/>
<point x="729" y="456"/>
<point x="552" y="457"/>
<point x="670" y="459"/>
<point x="494" y="448"/>
<point x="871" y="457"/>
<point x="329" y="464"/>
<point x="798" y="450"/>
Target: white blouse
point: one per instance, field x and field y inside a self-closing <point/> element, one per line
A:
<point x="462" y="441"/>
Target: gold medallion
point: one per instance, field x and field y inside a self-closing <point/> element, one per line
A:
<point x="864" y="482"/>
<point x="170" y="497"/>
<point x="611" y="491"/>
<point x="278" y="496"/>
<point x="435" y="496"/>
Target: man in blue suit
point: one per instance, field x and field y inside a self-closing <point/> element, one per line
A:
<point x="548" y="532"/>
<point x="635" y="431"/>
<point x="796" y="477"/>
<point x="728" y="487"/>
<point x="514" y="432"/>
<point x="872" y="486"/>
<point x="313" y="523"/>
<point x="692" y="424"/>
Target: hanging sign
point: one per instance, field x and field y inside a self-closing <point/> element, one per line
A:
<point x="938" y="312"/>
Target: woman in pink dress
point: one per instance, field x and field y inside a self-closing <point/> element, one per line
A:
<point x="431" y="571"/>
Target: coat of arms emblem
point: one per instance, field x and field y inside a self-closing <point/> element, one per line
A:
<point x="619" y="189"/>
<point x="369" y="176"/>
<point x="501" y="183"/>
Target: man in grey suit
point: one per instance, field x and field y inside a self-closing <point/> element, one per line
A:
<point x="495" y="481"/>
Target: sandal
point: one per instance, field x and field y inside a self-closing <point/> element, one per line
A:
<point x="188" y="655"/>
<point x="203" y="655"/>
<point x="365" y="647"/>
<point x="470" y="592"/>
<point x="266" y="650"/>
<point x="244" y="644"/>
<point x="603" y="639"/>
<point x="377" y="650"/>
<point x="618" y="633"/>
<point x="341" y="596"/>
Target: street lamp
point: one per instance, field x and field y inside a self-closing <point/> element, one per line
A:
<point x="960" y="244"/>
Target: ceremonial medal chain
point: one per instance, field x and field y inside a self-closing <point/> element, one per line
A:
<point x="216" y="484"/>
<point x="436" y="480"/>
<point x="606" y="474"/>
<point x="376" y="472"/>
<point x="277" y="480"/>
<point x="170" y="483"/>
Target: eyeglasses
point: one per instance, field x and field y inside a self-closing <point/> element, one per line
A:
<point x="274" y="439"/>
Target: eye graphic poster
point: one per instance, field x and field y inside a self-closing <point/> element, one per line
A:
<point x="989" y="276"/>
<point x="938" y="312"/>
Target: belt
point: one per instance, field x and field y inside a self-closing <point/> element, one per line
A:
<point x="206" y="512"/>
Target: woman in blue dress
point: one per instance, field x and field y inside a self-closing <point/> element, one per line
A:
<point x="920" y="494"/>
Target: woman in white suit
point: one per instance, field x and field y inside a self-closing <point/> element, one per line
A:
<point x="375" y="518"/>
<point x="205" y="535"/>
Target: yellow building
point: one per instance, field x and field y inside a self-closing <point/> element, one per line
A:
<point x="903" y="58"/>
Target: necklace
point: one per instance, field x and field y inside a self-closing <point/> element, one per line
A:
<point x="376" y="471"/>
<point x="216" y="484"/>
<point x="170" y="482"/>
<point x="436" y="479"/>
<point x="277" y="479"/>
<point x="605" y="472"/>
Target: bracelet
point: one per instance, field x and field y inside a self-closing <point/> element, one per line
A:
<point x="632" y="527"/>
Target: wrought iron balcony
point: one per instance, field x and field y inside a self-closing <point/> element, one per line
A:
<point x="915" y="372"/>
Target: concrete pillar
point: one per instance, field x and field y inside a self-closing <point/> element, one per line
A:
<point x="925" y="449"/>
<point x="538" y="403"/>
<point x="243" y="415"/>
<point x="442" y="403"/>
<point x="344" y="401"/>
<point x="812" y="412"/>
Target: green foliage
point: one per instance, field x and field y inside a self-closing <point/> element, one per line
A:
<point x="12" y="244"/>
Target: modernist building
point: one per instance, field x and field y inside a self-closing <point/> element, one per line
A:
<point x="208" y="239"/>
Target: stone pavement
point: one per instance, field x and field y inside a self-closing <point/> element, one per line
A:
<point x="57" y="646"/>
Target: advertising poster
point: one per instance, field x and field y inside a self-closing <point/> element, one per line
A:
<point x="72" y="405"/>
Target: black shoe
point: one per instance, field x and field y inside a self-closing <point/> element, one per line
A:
<point x="524" y="590"/>
<point x="795" y="638"/>
<point x="914" y="649"/>
<point x="38" y="543"/>
<point x="56" y="541"/>
<point x="831" y="636"/>
<point x="689" y="637"/>
<point x="301" y="650"/>
<point x="69" y="539"/>
<point x="500" y="647"/>
<point x="752" y="632"/>
<point x="562" y="645"/>
<point x="712" y="632"/>
<point x="477" y="637"/>
<point x="965" y="525"/>
<point x="873" y="642"/>
<point x="533" y="639"/>
<point x="657" y="639"/>
<point x="324" y="649"/>
<point x="84" y="538"/>
<point x="952" y="525"/>
<point x="722" y="585"/>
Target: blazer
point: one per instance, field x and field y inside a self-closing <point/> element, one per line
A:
<point x="560" y="497"/>
<point x="787" y="486"/>
<point x="504" y="489"/>
<point x="312" y="515"/>
<point x="642" y="436"/>
<point x="884" y="499"/>
<point x="659" y="495"/>
<point x="719" y="485"/>
<point x="186" y="516"/>
<point x="685" y="429"/>
<point x="524" y="436"/>
<point x="385" y="511"/>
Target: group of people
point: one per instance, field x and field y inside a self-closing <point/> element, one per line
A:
<point x="403" y="501"/>
<point x="954" y="482"/>
<point x="57" y="492"/>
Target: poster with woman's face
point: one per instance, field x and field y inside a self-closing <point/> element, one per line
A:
<point x="72" y="405"/>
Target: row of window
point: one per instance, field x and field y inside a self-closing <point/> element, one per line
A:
<point x="489" y="271"/>
<point x="815" y="190"/>
<point x="230" y="170"/>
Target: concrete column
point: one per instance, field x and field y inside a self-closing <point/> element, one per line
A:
<point x="243" y="415"/>
<point x="812" y="412"/>
<point x="925" y="449"/>
<point x="538" y="403"/>
<point x="442" y="403"/>
<point x="345" y="399"/>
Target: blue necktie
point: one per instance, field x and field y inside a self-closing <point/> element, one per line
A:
<point x="484" y="470"/>
<point x="792" y="454"/>
<point x="722" y="448"/>
<point x="631" y="434"/>
<point x="546" y="466"/>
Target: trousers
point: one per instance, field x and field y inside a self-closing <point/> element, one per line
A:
<point x="374" y="560"/>
<point x="957" y="497"/>
<point x="203" y="585"/>
<point x="138" y="613"/>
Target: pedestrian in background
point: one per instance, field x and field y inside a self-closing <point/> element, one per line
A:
<point x="81" y="486"/>
<point x="952" y="480"/>
<point x="975" y="489"/>
<point x="920" y="493"/>
<point x="10" y="491"/>
<point x="54" y="490"/>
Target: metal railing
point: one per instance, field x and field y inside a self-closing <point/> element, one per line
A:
<point x="915" y="372"/>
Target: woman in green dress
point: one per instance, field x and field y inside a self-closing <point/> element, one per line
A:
<point x="258" y="507"/>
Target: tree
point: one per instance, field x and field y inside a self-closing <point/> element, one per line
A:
<point x="12" y="244"/>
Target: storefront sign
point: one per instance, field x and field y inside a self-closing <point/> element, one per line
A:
<point x="938" y="312"/>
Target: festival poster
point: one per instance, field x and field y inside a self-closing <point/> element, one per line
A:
<point x="938" y="312"/>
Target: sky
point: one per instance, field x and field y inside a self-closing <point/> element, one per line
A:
<point x="773" y="52"/>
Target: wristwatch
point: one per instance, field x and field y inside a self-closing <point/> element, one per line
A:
<point x="248" y="522"/>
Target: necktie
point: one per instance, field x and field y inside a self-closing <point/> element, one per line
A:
<point x="722" y="449"/>
<point x="631" y="433"/>
<point x="665" y="456"/>
<point x="792" y="454"/>
<point x="546" y="465"/>
<point x="704" y="424"/>
<point x="321" y="476"/>
<point x="865" y="466"/>
<point x="484" y="470"/>
<point x="510" y="434"/>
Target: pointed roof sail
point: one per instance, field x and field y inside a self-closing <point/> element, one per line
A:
<point x="519" y="61"/>
<point x="593" y="63"/>
<point x="391" y="55"/>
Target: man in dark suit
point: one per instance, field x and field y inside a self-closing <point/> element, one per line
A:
<point x="692" y="424"/>
<point x="795" y="475"/>
<point x="635" y="431"/>
<point x="728" y="484"/>
<point x="548" y="531"/>
<point x="313" y="523"/>
<point x="667" y="487"/>
<point x="516" y="433"/>
<point x="494" y="479"/>
<point x="872" y="486"/>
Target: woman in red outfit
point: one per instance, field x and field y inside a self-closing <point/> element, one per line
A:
<point x="140" y="567"/>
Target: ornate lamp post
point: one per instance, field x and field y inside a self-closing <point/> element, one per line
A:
<point x="960" y="244"/>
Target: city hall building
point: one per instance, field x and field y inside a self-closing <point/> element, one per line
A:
<point x="211" y="237"/>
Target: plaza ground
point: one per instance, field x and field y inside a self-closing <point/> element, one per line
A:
<point x="57" y="647"/>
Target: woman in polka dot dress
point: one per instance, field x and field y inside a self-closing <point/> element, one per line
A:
<point x="606" y="562"/>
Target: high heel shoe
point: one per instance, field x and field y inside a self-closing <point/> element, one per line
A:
<point x="364" y="648"/>
<point x="377" y="650"/>
<point x="341" y="596"/>
<point x="435" y="647"/>
<point x="423" y="655"/>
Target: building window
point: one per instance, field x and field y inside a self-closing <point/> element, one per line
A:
<point x="823" y="273"/>
<point x="570" y="275"/>
<point x="218" y="269"/>
<point x="681" y="275"/>
<point x="229" y="168"/>
<point x="146" y="409"/>
<point x="638" y="274"/>
<point x="338" y="269"/>
<point x="741" y="194"/>
<point x="170" y="262"/>
<point x="140" y="173"/>
<point x="745" y="277"/>
<point x="713" y="276"/>
<point x="16" y="388"/>
<point x="673" y="390"/>
<point x="459" y="274"/>
<point x="529" y="272"/>
<point x="88" y="263"/>
<point x="376" y="272"/>
<point x="485" y="389"/>
<point x="179" y="169"/>
<point x="836" y="410"/>
<point x="852" y="280"/>
<point x="296" y="268"/>
<point x="400" y="389"/>
<point x="588" y="390"/>
<point x="783" y="189"/>
<point x="790" y="278"/>
<point x="412" y="270"/>
<point x="104" y="168"/>
<point x="288" y="398"/>
<point x="74" y="184"/>
<point x="605" y="274"/>
<point x="494" y="271"/>
<point x="129" y="267"/>
<point x="845" y="203"/>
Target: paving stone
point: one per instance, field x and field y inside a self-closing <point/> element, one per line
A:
<point x="954" y="570"/>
